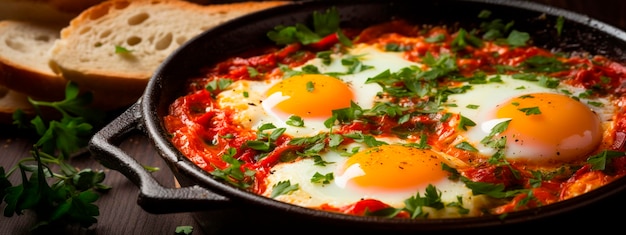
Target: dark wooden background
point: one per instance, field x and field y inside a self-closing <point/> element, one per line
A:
<point x="120" y="213"/>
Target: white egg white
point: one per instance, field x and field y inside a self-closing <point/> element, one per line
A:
<point x="487" y="97"/>
<point x="336" y="194"/>
<point x="255" y="109"/>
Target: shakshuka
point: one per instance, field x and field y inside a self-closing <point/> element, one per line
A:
<point x="406" y="120"/>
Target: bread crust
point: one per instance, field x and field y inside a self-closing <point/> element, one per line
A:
<point x="23" y="56"/>
<point x="39" y="86"/>
<point x="149" y="29"/>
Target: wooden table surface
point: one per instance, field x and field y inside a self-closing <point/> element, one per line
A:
<point x="120" y="214"/>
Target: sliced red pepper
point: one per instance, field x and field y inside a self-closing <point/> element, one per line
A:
<point x="362" y="206"/>
<point x="325" y="43"/>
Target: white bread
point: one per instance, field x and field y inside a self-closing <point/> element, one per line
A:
<point x="27" y="31"/>
<point x="150" y="29"/>
<point x="24" y="56"/>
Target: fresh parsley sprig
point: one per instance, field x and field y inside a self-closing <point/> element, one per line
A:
<point x="183" y="229"/>
<point x="69" y="133"/>
<point x="324" y="24"/>
<point x="66" y="197"/>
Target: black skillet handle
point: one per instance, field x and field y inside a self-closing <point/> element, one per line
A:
<point x="153" y="197"/>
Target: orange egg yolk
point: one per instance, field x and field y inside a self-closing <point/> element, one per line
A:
<point x="392" y="168"/>
<point x="552" y="126"/>
<point x="312" y="95"/>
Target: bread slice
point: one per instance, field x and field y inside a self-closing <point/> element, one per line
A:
<point x="146" y="31"/>
<point x="24" y="57"/>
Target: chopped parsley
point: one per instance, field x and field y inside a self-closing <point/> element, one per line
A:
<point x="530" y="110"/>
<point x="560" y="21"/>
<point x="122" y="50"/>
<point x="218" y="84"/>
<point x="466" y="146"/>
<point x="282" y="188"/>
<point x="322" y="178"/>
<point x="295" y="121"/>
<point x="465" y="122"/>
<point x="310" y="86"/>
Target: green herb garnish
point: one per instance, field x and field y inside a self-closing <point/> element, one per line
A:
<point x="324" y="24"/>
<point x="122" y="50"/>
<point x="57" y="198"/>
<point x="283" y="187"/>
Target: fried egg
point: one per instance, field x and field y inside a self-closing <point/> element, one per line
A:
<point x="389" y="173"/>
<point x="538" y="131"/>
<point x="311" y="97"/>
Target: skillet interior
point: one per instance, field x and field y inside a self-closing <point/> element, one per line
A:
<point x="579" y="34"/>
